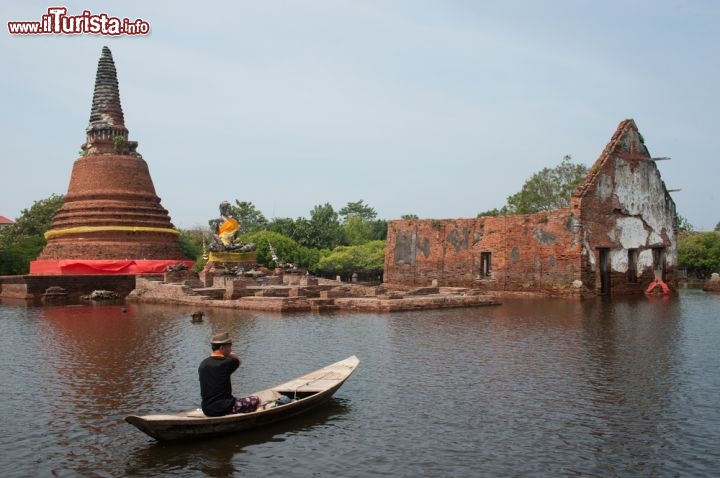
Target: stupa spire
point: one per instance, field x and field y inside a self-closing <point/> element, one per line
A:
<point x="107" y="121"/>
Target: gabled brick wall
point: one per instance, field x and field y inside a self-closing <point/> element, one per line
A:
<point x="616" y="236"/>
<point x="625" y="209"/>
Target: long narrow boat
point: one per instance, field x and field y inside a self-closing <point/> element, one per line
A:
<point x="277" y="403"/>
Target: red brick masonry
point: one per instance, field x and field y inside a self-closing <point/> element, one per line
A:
<point x="617" y="235"/>
<point x="111" y="211"/>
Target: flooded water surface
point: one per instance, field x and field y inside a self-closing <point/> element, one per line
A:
<point x="528" y="388"/>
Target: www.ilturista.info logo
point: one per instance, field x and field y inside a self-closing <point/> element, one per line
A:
<point x="58" y="22"/>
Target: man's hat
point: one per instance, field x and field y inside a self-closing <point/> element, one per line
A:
<point x="221" y="339"/>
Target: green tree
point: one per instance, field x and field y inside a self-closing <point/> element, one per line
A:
<point x="549" y="189"/>
<point x="717" y="227"/>
<point x="409" y="217"/>
<point x="347" y="259"/>
<point x="285" y="248"/>
<point x="494" y="212"/>
<point x="683" y="225"/>
<point x="308" y="257"/>
<point x="249" y="217"/>
<point x="15" y="257"/>
<point x="302" y="232"/>
<point x="380" y="228"/>
<point x="357" y="230"/>
<point x="21" y="242"/>
<point x="357" y="209"/>
<point x="699" y="253"/>
<point x="321" y="231"/>
<point x="283" y="225"/>
<point x="37" y="219"/>
<point x="359" y="224"/>
<point x="191" y="242"/>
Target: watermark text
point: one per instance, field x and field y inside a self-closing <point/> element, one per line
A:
<point x="57" y="22"/>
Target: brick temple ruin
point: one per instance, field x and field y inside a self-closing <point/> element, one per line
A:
<point x="111" y="221"/>
<point x="617" y="236"/>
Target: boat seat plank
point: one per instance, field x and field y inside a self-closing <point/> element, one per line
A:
<point x="316" y="386"/>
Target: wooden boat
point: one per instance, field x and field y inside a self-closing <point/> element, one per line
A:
<point x="276" y="403"/>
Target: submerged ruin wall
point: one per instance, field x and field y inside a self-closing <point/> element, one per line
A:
<point x="525" y="253"/>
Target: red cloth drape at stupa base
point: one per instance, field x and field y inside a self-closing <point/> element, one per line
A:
<point x="104" y="267"/>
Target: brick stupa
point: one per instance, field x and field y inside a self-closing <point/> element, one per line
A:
<point x="111" y="221"/>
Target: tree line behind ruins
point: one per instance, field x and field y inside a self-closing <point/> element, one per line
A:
<point x="351" y="239"/>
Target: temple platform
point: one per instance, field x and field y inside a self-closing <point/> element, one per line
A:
<point x="309" y="294"/>
<point x="289" y="293"/>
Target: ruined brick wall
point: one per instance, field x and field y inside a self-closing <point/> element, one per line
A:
<point x="527" y="253"/>
<point x="628" y="218"/>
<point x="617" y="236"/>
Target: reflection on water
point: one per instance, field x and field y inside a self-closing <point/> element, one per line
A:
<point x="532" y="387"/>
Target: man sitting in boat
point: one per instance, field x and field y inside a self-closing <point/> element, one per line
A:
<point x="215" y="386"/>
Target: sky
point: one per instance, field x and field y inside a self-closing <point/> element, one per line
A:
<point x="439" y="108"/>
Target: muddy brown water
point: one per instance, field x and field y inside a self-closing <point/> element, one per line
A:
<point x="529" y="388"/>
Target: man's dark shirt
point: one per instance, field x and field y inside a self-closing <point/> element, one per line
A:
<point x="215" y="386"/>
